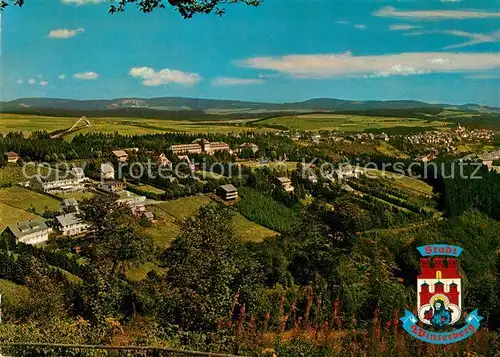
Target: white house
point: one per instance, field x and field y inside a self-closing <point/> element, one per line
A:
<point x="71" y="225"/>
<point x="112" y="186"/>
<point x="33" y="231"/>
<point x="107" y="172"/>
<point x="69" y="205"/>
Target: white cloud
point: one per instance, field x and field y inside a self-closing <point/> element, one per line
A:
<point x="348" y="23"/>
<point x="86" y="75"/>
<point x="62" y="76"/>
<point x="451" y="0"/>
<point x="474" y="38"/>
<point x="403" y="27"/>
<point x="31" y="81"/>
<point x="39" y="76"/>
<point x="43" y="83"/>
<point x="19" y="81"/>
<point x="230" y="81"/>
<point x="81" y="2"/>
<point x="65" y="33"/>
<point x="345" y="64"/>
<point x="389" y="11"/>
<point x="152" y="78"/>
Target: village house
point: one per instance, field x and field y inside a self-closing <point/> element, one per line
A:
<point x="120" y="155"/>
<point x="69" y="181"/>
<point x="12" y="157"/>
<point x="112" y="186"/>
<point x="107" y="172"/>
<point x="71" y="225"/>
<point x="69" y="205"/>
<point x="252" y="146"/>
<point x="162" y="160"/>
<point x="134" y="201"/>
<point x="33" y="231"/>
<point x="285" y="183"/>
<point x="315" y="138"/>
<point x="149" y="216"/>
<point x="227" y="192"/>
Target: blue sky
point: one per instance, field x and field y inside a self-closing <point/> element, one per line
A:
<point x="284" y="50"/>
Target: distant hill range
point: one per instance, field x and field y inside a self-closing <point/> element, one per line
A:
<point x="210" y="108"/>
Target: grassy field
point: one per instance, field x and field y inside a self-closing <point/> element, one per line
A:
<point x="182" y="208"/>
<point x="169" y="214"/>
<point x="389" y="150"/>
<point x="146" y="188"/>
<point x="22" y="198"/>
<point x="13" y="173"/>
<point x="12" y="294"/>
<point x="10" y="215"/>
<point x="128" y="126"/>
<point x="77" y="195"/>
<point x="410" y="184"/>
<point x="165" y="228"/>
<point x="250" y="231"/>
<point x="286" y="165"/>
<point x="349" y="123"/>
<point x="140" y="273"/>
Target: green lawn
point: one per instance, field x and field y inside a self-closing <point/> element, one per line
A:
<point x="22" y="198"/>
<point x="250" y="231"/>
<point x="10" y="215"/>
<point x="411" y="184"/>
<point x="12" y="173"/>
<point x="77" y="195"/>
<point x="165" y="228"/>
<point x="140" y="273"/>
<point x="126" y="126"/>
<point x="344" y="122"/>
<point x="184" y="207"/>
<point x="286" y="165"/>
<point x="146" y="188"/>
<point x="12" y="294"/>
<point x="169" y="214"/>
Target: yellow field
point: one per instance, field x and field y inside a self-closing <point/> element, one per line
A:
<point x="127" y="126"/>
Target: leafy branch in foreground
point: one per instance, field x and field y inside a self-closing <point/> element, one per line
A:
<point x="187" y="8"/>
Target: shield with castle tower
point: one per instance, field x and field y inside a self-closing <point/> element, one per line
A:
<point x="439" y="291"/>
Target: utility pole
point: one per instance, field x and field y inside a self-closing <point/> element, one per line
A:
<point x="0" y="308"/>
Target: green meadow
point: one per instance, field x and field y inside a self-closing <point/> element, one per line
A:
<point x="347" y="123"/>
<point x="126" y="126"/>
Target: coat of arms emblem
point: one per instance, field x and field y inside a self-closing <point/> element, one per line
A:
<point x="439" y="298"/>
<point x="439" y="291"/>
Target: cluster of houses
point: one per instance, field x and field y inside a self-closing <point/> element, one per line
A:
<point x="447" y="138"/>
<point x="35" y="231"/>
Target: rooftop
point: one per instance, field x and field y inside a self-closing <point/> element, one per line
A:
<point x="22" y="229"/>
<point x="120" y="153"/>
<point x="283" y="179"/>
<point x="68" y="219"/>
<point x="228" y="188"/>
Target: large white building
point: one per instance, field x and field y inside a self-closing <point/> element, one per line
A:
<point x="71" y="225"/>
<point x="69" y="181"/>
<point x="33" y="231"/>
